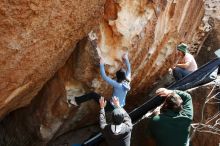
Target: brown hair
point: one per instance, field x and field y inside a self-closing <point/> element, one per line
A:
<point x="121" y="75"/>
<point x="173" y="102"/>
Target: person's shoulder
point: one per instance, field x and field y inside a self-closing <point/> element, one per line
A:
<point x="182" y="93"/>
<point x="126" y="85"/>
<point x="185" y="93"/>
<point x="125" y="82"/>
<point x="188" y="55"/>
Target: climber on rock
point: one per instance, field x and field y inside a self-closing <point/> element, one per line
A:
<point x="118" y="133"/>
<point x="170" y="126"/>
<point x="186" y="64"/>
<point x="120" y="86"/>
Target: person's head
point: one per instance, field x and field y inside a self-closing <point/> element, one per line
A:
<point x="121" y="75"/>
<point x="182" y="49"/>
<point x="117" y="116"/>
<point x="173" y="102"/>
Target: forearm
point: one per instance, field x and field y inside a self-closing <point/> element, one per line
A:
<point x="102" y="69"/>
<point x="187" y="103"/>
<point x="182" y="65"/>
<point x="185" y="96"/>
<point x="128" y="72"/>
<point x="102" y="119"/>
<point x="105" y="77"/>
<point x="166" y="92"/>
<point x="102" y="72"/>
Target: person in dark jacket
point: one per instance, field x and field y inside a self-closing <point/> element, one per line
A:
<point x="171" y="126"/>
<point x="118" y="133"/>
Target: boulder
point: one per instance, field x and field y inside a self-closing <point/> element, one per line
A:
<point x="46" y="66"/>
<point x="37" y="37"/>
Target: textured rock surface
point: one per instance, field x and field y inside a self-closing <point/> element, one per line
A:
<point x="36" y="38"/>
<point x="150" y="29"/>
<point x="212" y="43"/>
<point x="211" y="110"/>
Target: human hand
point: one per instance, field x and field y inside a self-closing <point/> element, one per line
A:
<point x="116" y="101"/>
<point x="170" y="71"/>
<point x="102" y="61"/>
<point x="125" y="55"/>
<point x="163" y="92"/>
<point x="102" y="102"/>
<point x="92" y="36"/>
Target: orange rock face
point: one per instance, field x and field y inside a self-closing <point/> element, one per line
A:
<point x="150" y="29"/>
<point x="37" y="37"/>
<point x="40" y="40"/>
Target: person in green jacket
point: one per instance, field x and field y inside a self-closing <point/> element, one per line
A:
<point x="171" y="126"/>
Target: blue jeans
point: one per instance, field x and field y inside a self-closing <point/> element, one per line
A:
<point x="179" y="73"/>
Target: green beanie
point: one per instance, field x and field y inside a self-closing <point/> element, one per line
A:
<point x="182" y="47"/>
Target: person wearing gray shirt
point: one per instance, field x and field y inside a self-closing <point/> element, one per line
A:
<point x="118" y="133"/>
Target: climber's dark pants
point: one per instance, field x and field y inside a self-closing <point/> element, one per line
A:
<point x="92" y="95"/>
<point x="179" y="73"/>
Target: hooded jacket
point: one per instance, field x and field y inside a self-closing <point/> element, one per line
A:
<point x="116" y="135"/>
<point x="119" y="89"/>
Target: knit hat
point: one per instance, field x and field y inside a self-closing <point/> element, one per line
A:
<point x="117" y="116"/>
<point x="182" y="47"/>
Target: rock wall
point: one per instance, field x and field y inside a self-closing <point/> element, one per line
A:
<point x="210" y="116"/>
<point x="44" y="41"/>
<point x="37" y="37"/>
<point x="211" y="43"/>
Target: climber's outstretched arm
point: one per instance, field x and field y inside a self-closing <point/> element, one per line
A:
<point x="126" y="60"/>
<point x="105" y="77"/>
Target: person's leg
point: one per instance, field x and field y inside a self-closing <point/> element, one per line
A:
<point x="179" y="73"/>
<point x="185" y="72"/>
<point x="80" y="99"/>
<point x="92" y="95"/>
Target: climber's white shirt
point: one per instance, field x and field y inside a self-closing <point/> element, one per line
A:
<point x="192" y="63"/>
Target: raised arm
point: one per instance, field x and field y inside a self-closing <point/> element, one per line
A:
<point x="105" y="77"/>
<point x="102" y="119"/>
<point x="187" y="100"/>
<point x="183" y="65"/>
<point x="187" y="103"/>
<point x="128" y="72"/>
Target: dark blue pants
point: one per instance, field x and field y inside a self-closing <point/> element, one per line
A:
<point x="92" y="95"/>
<point x="179" y="73"/>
